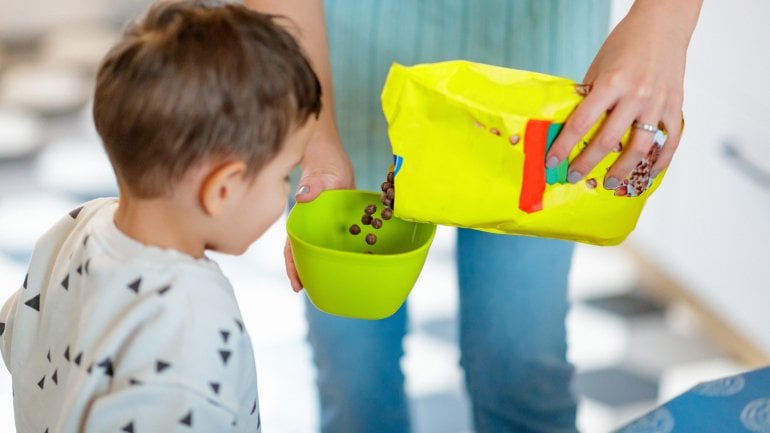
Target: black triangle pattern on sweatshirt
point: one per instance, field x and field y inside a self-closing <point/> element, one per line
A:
<point x="161" y="365"/>
<point x="34" y="303"/>
<point x="66" y="282"/>
<point x="26" y="277"/>
<point x="134" y="285"/>
<point x="107" y="366"/>
<point x="187" y="419"/>
<point x="2" y="328"/>
<point x="128" y="428"/>
<point x="225" y="354"/>
<point x="74" y="212"/>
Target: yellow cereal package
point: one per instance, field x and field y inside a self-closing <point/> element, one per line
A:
<point x="469" y="143"/>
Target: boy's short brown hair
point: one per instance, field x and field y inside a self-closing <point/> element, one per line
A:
<point x="194" y="80"/>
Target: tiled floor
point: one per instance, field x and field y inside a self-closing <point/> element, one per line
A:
<point x="627" y="353"/>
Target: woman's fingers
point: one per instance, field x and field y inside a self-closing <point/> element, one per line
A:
<point x="673" y="123"/>
<point x="291" y="268"/>
<point x="578" y="124"/>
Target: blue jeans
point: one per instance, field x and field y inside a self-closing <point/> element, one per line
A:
<point x="513" y="304"/>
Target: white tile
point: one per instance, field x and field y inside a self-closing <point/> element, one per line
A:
<point x="598" y="271"/>
<point x="273" y="314"/>
<point x="595" y="339"/>
<point x="594" y="417"/>
<point x="653" y="348"/>
<point x="435" y="294"/>
<point x="430" y="365"/>
<point x="7" y="424"/>
<point x="679" y="378"/>
<point x="287" y="391"/>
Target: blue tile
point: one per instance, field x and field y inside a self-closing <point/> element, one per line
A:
<point x="442" y="329"/>
<point x="629" y="305"/>
<point x="615" y="386"/>
<point x="440" y="413"/>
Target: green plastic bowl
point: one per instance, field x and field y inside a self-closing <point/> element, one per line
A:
<point x="339" y="275"/>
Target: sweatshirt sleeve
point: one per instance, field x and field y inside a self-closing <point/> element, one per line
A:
<point x="7" y="314"/>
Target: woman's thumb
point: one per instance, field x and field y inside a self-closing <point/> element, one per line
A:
<point x="309" y="187"/>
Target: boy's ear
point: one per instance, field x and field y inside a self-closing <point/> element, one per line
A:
<point x="220" y="186"/>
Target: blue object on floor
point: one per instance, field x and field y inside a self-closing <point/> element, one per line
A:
<point x="734" y="404"/>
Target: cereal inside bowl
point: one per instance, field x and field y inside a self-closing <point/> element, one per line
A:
<point x="354" y="274"/>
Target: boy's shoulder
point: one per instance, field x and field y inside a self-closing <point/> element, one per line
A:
<point x="57" y="244"/>
<point x="75" y="221"/>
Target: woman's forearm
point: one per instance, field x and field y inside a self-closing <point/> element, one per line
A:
<point x="309" y="27"/>
<point x="675" y="17"/>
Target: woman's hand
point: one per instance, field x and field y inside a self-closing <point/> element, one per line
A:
<point x="325" y="165"/>
<point x="637" y="78"/>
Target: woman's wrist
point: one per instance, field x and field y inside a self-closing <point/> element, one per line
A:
<point x="676" y="18"/>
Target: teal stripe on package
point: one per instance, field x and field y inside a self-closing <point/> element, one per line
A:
<point x="558" y="37"/>
<point x="557" y="174"/>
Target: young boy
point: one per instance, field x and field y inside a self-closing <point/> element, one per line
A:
<point x="123" y="324"/>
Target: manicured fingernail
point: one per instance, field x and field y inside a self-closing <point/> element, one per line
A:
<point x="610" y="183"/>
<point x="302" y="190"/>
<point x="583" y="89"/>
<point x="574" y="176"/>
<point x="552" y="162"/>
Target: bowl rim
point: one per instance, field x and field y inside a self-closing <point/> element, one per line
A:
<point x="384" y="256"/>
